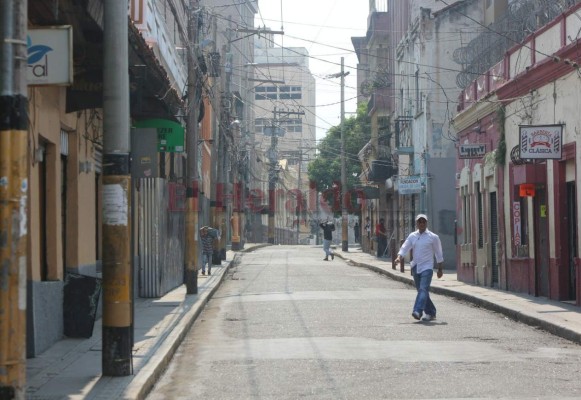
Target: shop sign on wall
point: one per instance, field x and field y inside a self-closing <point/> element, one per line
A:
<point x="409" y="184"/>
<point x="516" y="221"/>
<point x="50" y="56"/>
<point x="471" y="150"/>
<point x="540" y="141"/>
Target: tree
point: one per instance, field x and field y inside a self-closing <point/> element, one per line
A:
<point x="325" y="169"/>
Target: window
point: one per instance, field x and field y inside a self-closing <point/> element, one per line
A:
<point x="260" y="123"/>
<point x="401" y="104"/>
<point x="278" y="93"/>
<point x="419" y="106"/>
<point x="293" y="125"/>
<point x="466" y="216"/>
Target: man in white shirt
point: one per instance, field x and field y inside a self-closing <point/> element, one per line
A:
<point x="425" y="245"/>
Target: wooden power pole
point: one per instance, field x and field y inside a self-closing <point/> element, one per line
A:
<point x="117" y="277"/>
<point x="13" y="198"/>
<point x="192" y="209"/>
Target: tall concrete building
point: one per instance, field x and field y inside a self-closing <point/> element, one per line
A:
<point x="285" y="99"/>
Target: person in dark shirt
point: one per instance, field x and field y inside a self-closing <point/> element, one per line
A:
<point x="207" y="236"/>
<point x="381" y="235"/>
<point x="328" y="228"/>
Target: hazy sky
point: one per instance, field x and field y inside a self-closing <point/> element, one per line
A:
<point x="324" y="28"/>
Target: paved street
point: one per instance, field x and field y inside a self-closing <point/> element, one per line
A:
<point x="285" y="325"/>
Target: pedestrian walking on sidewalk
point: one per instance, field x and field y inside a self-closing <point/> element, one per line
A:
<point x="381" y="235"/>
<point x="425" y="245"/>
<point x="356" y="231"/>
<point x="328" y="228"/>
<point x="368" y="245"/>
<point x="207" y="236"/>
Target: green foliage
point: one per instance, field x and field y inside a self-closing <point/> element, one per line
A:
<point x="325" y="170"/>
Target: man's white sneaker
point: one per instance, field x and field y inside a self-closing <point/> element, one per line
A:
<point x="416" y="315"/>
<point x="428" y="317"/>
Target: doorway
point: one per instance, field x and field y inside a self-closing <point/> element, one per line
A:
<point x="494" y="238"/>
<point x="572" y="239"/>
<point x="541" y="242"/>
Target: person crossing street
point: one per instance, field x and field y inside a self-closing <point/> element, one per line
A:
<point x="425" y="245"/>
<point x="328" y="228"/>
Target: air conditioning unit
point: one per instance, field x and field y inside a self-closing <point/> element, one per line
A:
<point x="380" y="170"/>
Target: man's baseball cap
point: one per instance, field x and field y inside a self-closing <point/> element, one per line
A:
<point x="420" y="216"/>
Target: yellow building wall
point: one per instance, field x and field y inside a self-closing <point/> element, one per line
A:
<point x="84" y="130"/>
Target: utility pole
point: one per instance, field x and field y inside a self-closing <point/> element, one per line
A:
<point x="345" y="219"/>
<point x="272" y="176"/>
<point x="224" y="132"/>
<point x="236" y="190"/>
<point x="215" y="170"/>
<point x="192" y="207"/>
<point x="117" y="278"/>
<point x="344" y="215"/>
<point x="13" y="198"/>
<point x="301" y="198"/>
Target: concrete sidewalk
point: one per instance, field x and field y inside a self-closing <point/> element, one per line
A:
<point x="71" y="369"/>
<point x="559" y="318"/>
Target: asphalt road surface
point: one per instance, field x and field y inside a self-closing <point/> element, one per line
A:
<point x="287" y="325"/>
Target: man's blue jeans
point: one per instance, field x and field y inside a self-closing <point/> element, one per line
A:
<point x="423" y="302"/>
<point x="327" y="247"/>
<point x="206" y="260"/>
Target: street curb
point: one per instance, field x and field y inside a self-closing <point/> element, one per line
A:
<point x="148" y="376"/>
<point x="513" y="314"/>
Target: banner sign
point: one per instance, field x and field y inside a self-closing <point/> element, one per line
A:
<point x="526" y="190"/>
<point x="540" y="141"/>
<point x="170" y="135"/>
<point x="409" y="184"/>
<point x="50" y="56"/>
<point x="516" y="223"/>
<point x="471" y="150"/>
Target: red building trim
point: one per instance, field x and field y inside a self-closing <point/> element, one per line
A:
<point x="578" y="279"/>
<point x="559" y="289"/>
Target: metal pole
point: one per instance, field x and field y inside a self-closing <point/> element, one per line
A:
<point x="192" y="208"/>
<point x="271" y="179"/>
<point x="299" y="197"/>
<point x="215" y="153"/>
<point x="117" y="277"/>
<point x="13" y="198"/>
<point x="344" y="216"/>
<point x="222" y="189"/>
